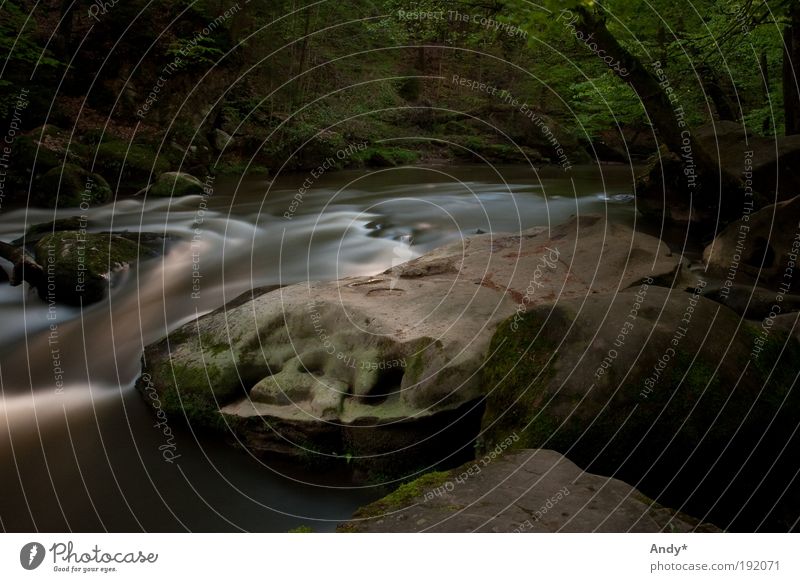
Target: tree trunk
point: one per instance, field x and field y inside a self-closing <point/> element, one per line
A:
<point x="710" y="179"/>
<point x="301" y="66"/>
<point x="791" y="73"/>
<point x="714" y="88"/>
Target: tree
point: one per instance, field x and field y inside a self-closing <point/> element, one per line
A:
<point x="587" y="22"/>
<point x="791" y="71"/>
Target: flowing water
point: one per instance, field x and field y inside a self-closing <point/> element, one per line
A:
<point x="85" y="456"/>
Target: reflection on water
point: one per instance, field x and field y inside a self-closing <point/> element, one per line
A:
<point x="86" y="457"/>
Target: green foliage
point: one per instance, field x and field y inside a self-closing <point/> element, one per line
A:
<point x="708" y="45"/>
<point x="201" y="51"/>
<point x="22" y="51"/>
<point x="604" y="102"/>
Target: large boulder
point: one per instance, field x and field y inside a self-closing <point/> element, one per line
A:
<point x="773" y="161"/>
<point x="132" y="165"/>
<point x="766" y="167"/>
<point x="80" y="266"/>
<point x="528" y="491"/>
<point x="376" y="366"/>
<point x="760" y="248"/>
<point x="665" y="389"/>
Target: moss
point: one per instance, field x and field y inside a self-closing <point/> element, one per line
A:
<point x="776" y="365"/>
<point x="404" y="495"/>
<point x="28" y="154"/>
<point x="134" y="166"/>
<point x="176" y="184"/>
<point x="70" y="185"/>
<point x="196" y="392"/>
<point x="82" y="262"/>
<point x="517" y="376"/>
<point x="240" y="168"/>
<point x="386" y="157"/>
<point x="97" y="253"/>
<point x="301" y="529"/>
<point x="37" y="231"/>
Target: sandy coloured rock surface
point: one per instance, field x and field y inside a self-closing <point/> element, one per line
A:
<point x="531" y="490"/>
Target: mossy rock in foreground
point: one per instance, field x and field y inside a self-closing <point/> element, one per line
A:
<point x="677" y="403"/>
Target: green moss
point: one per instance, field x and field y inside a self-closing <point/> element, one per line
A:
<point x="386" y="157"/>
<point x="36" y="231"/>
<point x="97" y="253"/>
<point x="517" y="376"/>
<point x="135" y="165"/>
<point x="301" y="529"/>
<point x="403" y="496"/>
<point x="28" y="154"/>
<point x="196" y="392"/>
<point x="69" y="186"/>
<point x="176" y="184"/>
<point x="776" y="371"/>
<point x="240" y="168"/>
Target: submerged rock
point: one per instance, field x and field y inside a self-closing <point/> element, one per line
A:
<point x="532" y="490"/>
<point x="376" y="366"/>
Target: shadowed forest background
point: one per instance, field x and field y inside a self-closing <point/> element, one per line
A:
<point x="227" y="88"/>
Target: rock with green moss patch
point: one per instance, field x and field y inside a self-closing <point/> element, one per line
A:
<point x="530" y="491"/>
<point x="132" y="165"/>
<point x="80" y="266"/>
<point x="665" y="388"/>
<point x="69" y="186"/>
<point x="176" y="184"/>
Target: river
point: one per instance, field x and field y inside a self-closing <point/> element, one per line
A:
<point x="84" y="457"/>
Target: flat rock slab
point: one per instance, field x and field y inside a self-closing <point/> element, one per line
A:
<point x="532" y="490"/>
<point x="410" y="342"/>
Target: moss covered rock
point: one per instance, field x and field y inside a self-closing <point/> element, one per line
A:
<point x="80" y="266"/>
<point x="176" y="184"/>
<point x="663" y="387"/>
<point x="69" y="186"/>
<point x="133" y="165"/>
<point x="537" y="491"/>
